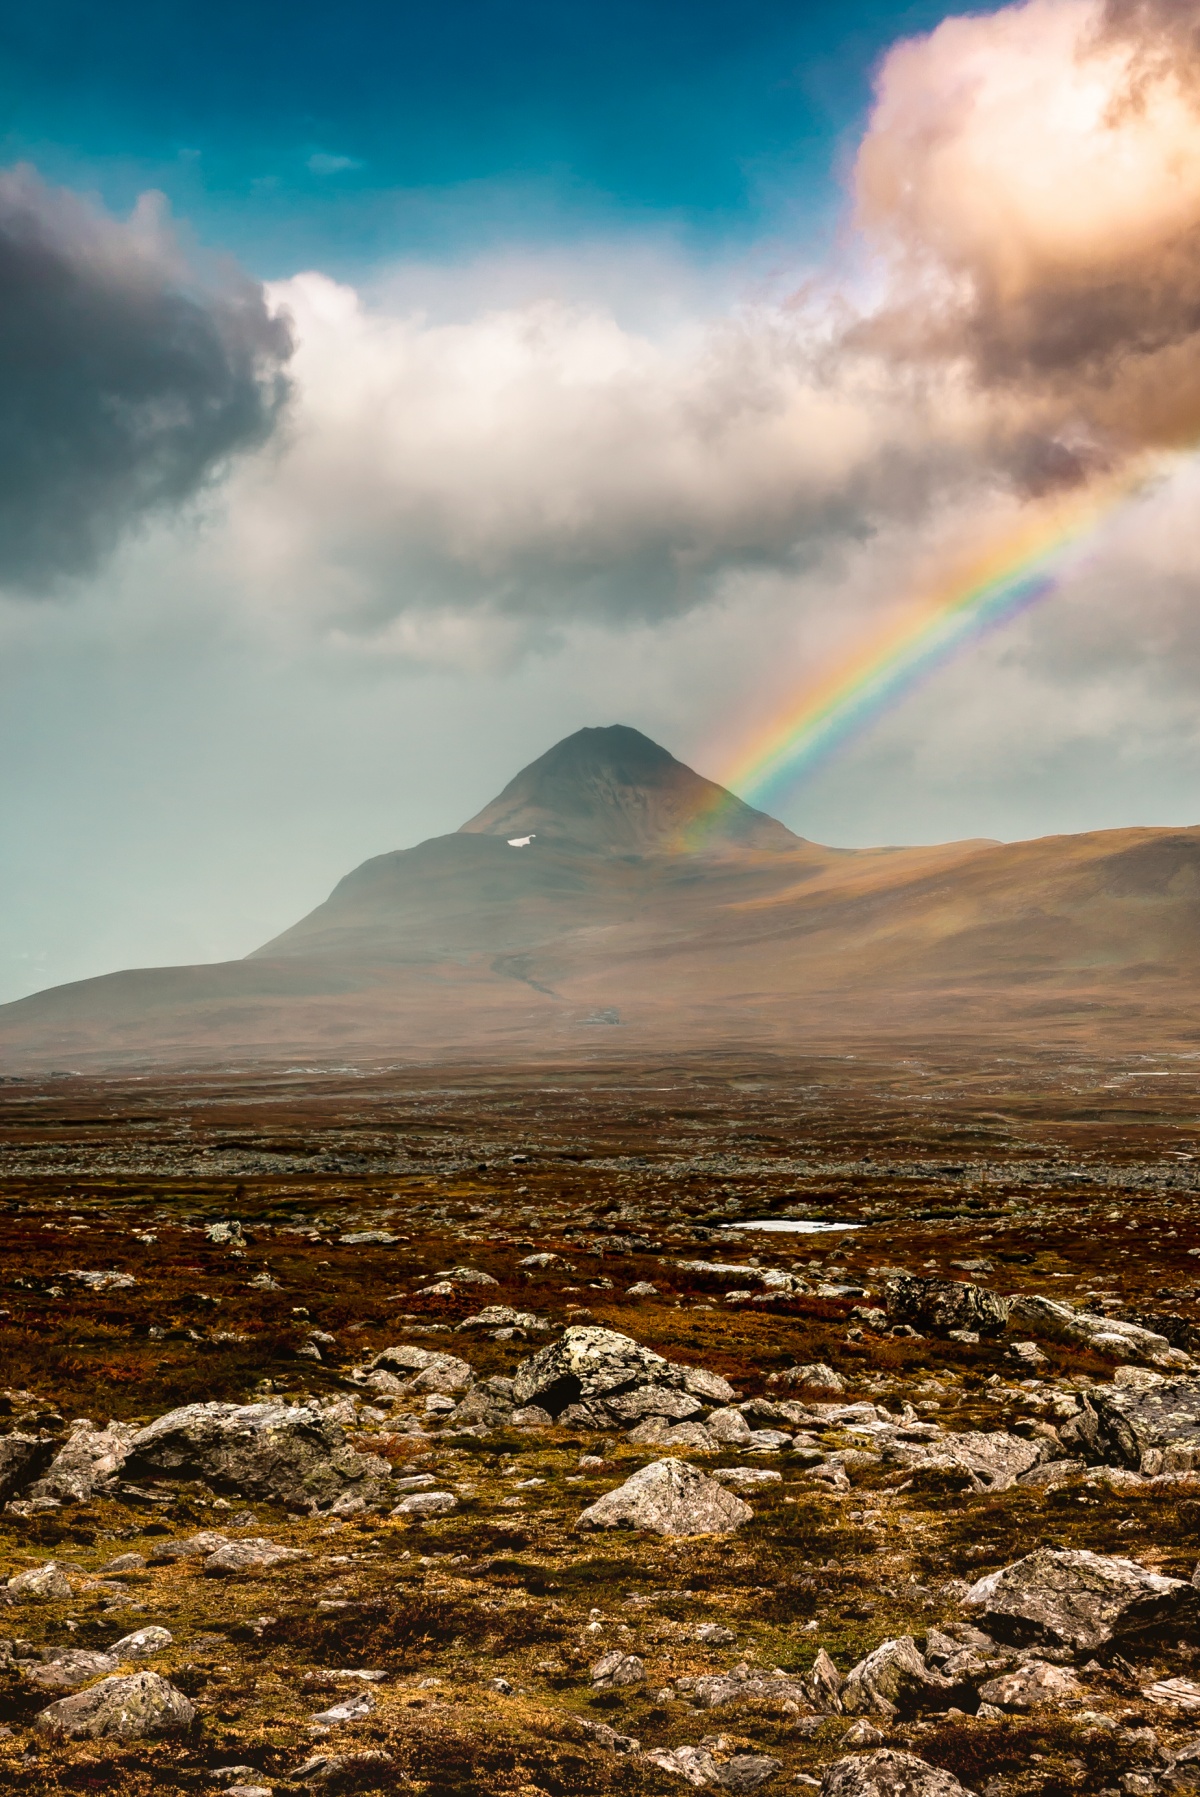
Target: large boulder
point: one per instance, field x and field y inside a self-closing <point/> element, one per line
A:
<point x="288" y="1454"/>
<point x="120" y="1709"/>
<point x="945" y="1304"/>
<point x="1071" y="1598"/>
<point x="423" y="1370"/>
<point x="669" y="1497"/>
<point x="972" y="1461"/>
<point x="887" y="1773"/>
<point x="599" y="1378"/>
<point x="1051" y="1321"/>
<point x="1153" y="1428"/>
<point x="893" y="1680"/>
<point x="88" y="1458"/>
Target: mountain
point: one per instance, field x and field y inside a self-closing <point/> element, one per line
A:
<point x="609" y="884"/>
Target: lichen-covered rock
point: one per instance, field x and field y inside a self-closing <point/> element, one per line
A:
<point x="696" y="1764"/>
<point x="22" y="1458"/>
<point x="87" y="1458"/>
<point x="1182" y="1772"/>
<point x="746" y="1771"/>
<point x="422" y="1370"/>
<point x="972" y="1461"/>
<point x="187" y="1547"/>
<point x="142" y="1644"/>
<point x="728" y="1426"/>
<point x="812" y="1376"/>
<point x="69" y="1669"/>
<point x="503" y="1316"/>
<point x="420" y="1505"/>
<point x="488" y="1403"/>
<point x="39" y="1584"/>
<point x="945" y="1304"/>
<point x="596" y="1378"/>
<point x="893" y="1680"/>
<point x="256" y="1554"/>
<point x="657" y="1432"/>
<point x="1027" y="1686"/>
<point x="132" y="1708"/>
<point x="745" y="1685"/>
<point x="616" y="1668"/>
<point x="669" y="1497"/>
<point x="1151" y="1428"/>
<point x="887" y="1773"/>
<point x="1071" y="1598"/>
<point x="1051" y="1321"/>
<point x="291" y="1454"/>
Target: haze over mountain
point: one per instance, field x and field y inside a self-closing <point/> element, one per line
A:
<point x="610" y="885"/>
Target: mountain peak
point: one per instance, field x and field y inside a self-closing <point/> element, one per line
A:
<point x="615" y="790"/>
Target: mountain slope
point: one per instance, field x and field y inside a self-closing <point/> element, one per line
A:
<point x="609" y="880"/>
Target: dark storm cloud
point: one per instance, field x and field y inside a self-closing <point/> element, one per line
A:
<point x="125" y="382"/>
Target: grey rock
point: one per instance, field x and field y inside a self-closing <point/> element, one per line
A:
<point x="713" y="1635"/>
<point x="468" y="1276"/>
<point x="490" y="1402"/>
<point x="351" y="1709"/>
<point x="893" y="1680"/>
<point x="825" y="1683"/>
<point x="695" y="1764"/>
<point x="863" y="1734"/>
<point x="669" y="1497"/>
<point x="728" y="1426"/>
<point x="423" y="1370"/>
<point x="87" y="1458"/>
<point x="131" y="1708"/>
<point x="293" y="1455"/>
<point x="254" y="1555"/>
<point x="1182" y="1772"/>
<point x="532" y="1416"/>
<point x="888" y="1773"/>
<point x="502" y="1316"/>
<point x="22" y="1457"/>
<point x="654" y="1400"/>
<point x="142" y="1644"/>
<point x="945" y="1304"/>
<point x="69" y="1669"/>
<point x="642" y="1289"/>
<point x="1151" y="1428"/>
<point x="773" y="1441"/>
<point x="187" y="1547"/>
<point x="974" y="1460"/>
<point x="1052" y="1472"/>
<point x="420" y="1505"/>
<point x="745" y="1478"/>
<point x="746" y="1685"/>
<point x="657" y="1432"/>
<point x="746" y="1771"/>
<point x="1028" y="1686"/>
<point x="1074" y="1599"/>
<point x="617" y="1668"/>
<point x="604" y="1736"/>
<point x="1051" y="1321"/>
<point x="592" y="1378"/>
<point x="39" y="1584"/>
<point x="814" y="1375"/>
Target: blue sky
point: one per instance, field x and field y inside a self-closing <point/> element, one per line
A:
<point x="337" y="137"/>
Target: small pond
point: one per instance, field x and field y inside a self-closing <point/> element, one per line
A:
<point x="791" y="1225"/>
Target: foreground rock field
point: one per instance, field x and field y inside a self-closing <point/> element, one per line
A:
<point x="440" y="1430"/>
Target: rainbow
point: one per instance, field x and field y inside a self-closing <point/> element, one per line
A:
<point x="1029" y="563"/>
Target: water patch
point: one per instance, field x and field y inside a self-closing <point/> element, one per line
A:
<point x="791" y="1225"/>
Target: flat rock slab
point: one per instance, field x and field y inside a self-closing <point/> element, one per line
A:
<point x="886" y="1773"/>
<point x="1075" y="1599"/>
<point x="256" y="1555"/>
<point x="120" y="1709"/>
<point x="1152" y="1429"/>
<point x="1030" y="1685"/>
<point x="291" y="1454"/>
<point x="1051" y="1321"/>
<point x="668" y="1497"/>
<point x="68" y="1670"/>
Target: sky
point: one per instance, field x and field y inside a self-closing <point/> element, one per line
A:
<point x="386" y="392"/>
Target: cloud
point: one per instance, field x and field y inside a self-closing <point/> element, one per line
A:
<point x="322" y="163"/>
<point x="1032" y="179"/>
<point x="126" y="382"/>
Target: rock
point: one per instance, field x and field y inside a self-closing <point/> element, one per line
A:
<point x="643" y="1289"/>
<point x="351" y="1709"/>
<point x="187" y="1547"/>
<point x="1053" y="1472"/>
<point x="532" y="1416"/>
<point x="974" y="1460"/>
<point x="128" y="1708"/>
<point x="657" y="1432"/>
<point x="729" y="1427"/>
<point x="22" y="1457"/>
<point x="290" y="1454"/>
<point x="40" y="1584"/>
<point x="695" y="1764"/>
<point x="226" y="1234"/>
<point x="422" y="1504"/>
<point x="502" y="1316"/>
<point x="604" y="1736"/>
<point x="654" y="1400"/>
<point x="1028" y="1354"/>
<point x="825" y="1683"/>
<point x="142" y="1643"/>
<point x="101" y="1281"/>
<point x="425" y="1371"/>
<point x="1029" y="1685"/>
<point x="945" y="1304"/>
<point x="745" y="1478"/>
<point x="489" y="1402"/>
<point x="70" y="1668"/>
<point x="364" y="1237"/>
<point x="668" y="1497"/>
<point x="593" y="1378"/>
<point x="862" y="1734"/>
<point x="617" y="1668"/>
<point x="1124" y="1341"/>
<point x="713" y="1635"/>
<point x="745" y="1685"/>
<point x="1182" y="1772"/>
<point x="746" y="1771"/>
<point x="1072" y="1598"/>
<point x="1182" y="1693"/>
<point x="468" y="1276"/>
<point x="887" y="1773"/>
<point x="254" y="1555"/>
<point x="1151" y="1428"/>
<point x="893" y="1680"/>
<point x="813" y="1376"/>
<point x="541" y="1261"/>
<point x="87" y="1458"/>
<point x="773" y="1441"/>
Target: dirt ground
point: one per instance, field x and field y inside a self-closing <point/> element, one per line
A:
<point x="1053" y="1172"/>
